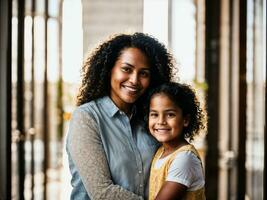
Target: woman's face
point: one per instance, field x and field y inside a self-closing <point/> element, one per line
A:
<point x="130" y="77"/>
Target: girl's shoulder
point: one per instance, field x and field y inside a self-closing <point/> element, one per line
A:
<point x="186" y="158"/>
<point x="186" y="169"/>
<point x="187" y="148"/>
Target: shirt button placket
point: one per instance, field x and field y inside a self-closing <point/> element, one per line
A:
<point x="140" y="170"/>
<point x="139" y="162"/>
<point x="140" y="173"/>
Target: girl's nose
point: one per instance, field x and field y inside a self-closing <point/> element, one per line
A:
<point x="162" y="120"/>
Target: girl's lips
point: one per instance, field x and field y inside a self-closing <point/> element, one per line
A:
<point x="162" y="130"/>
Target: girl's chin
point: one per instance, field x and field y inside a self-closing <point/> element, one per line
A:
<point x="161" y="139"/>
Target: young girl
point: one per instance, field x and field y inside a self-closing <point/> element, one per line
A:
<point x="174" y="117"/>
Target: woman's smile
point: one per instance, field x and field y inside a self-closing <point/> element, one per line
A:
<point x="131" y="89"/>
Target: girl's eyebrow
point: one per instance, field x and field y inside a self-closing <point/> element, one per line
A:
<point x="170" y="110"/>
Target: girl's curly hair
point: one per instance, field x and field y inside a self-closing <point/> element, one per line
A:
<point x="97" y="66"/>
<point x="185" y="98"/>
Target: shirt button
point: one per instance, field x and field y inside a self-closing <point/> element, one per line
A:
<point x="139" y="171"/>
<point x="141" y="185"/>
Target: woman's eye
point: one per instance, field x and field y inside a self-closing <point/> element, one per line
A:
<point x="126" y="69"/>
<point x="145" y="73"/>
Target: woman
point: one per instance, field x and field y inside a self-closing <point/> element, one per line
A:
<point x="108" y="147"/>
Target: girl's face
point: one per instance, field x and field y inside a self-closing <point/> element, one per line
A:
<point x="166" y="120"/>
<point x="130" y="77"/>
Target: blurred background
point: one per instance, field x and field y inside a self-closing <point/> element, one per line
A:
<point x="219" y="47"/>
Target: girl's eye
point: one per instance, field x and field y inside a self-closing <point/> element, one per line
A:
<point x="153" y="115"/>
<point x="170" y="115"/>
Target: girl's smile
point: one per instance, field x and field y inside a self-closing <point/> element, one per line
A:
<point x="166" y="120"/>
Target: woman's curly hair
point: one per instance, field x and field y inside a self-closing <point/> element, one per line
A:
<point x="185" y="98"/>
<point x="97" y="66"/>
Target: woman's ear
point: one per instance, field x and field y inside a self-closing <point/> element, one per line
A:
<point x="186" y="120"/>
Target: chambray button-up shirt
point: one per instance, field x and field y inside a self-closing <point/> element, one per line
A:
<point x="128" y="150"/>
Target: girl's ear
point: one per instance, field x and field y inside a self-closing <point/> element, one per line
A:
<point x="186" y="120"/>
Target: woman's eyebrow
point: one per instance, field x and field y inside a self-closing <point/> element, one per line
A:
<point x="130" y="65"/>
<point x="126" y="63"/>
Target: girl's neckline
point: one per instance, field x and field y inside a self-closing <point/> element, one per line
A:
<point x="162" y="156"/>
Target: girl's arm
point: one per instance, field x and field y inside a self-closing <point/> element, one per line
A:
<point x="171" y="191"/>
<point x="86" y="149"/>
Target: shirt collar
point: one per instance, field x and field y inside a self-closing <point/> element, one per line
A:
<point x="109" y="106"/>
<point x="112" y="109"/>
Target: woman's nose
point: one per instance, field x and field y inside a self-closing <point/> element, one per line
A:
<point x="134" y="78"/>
